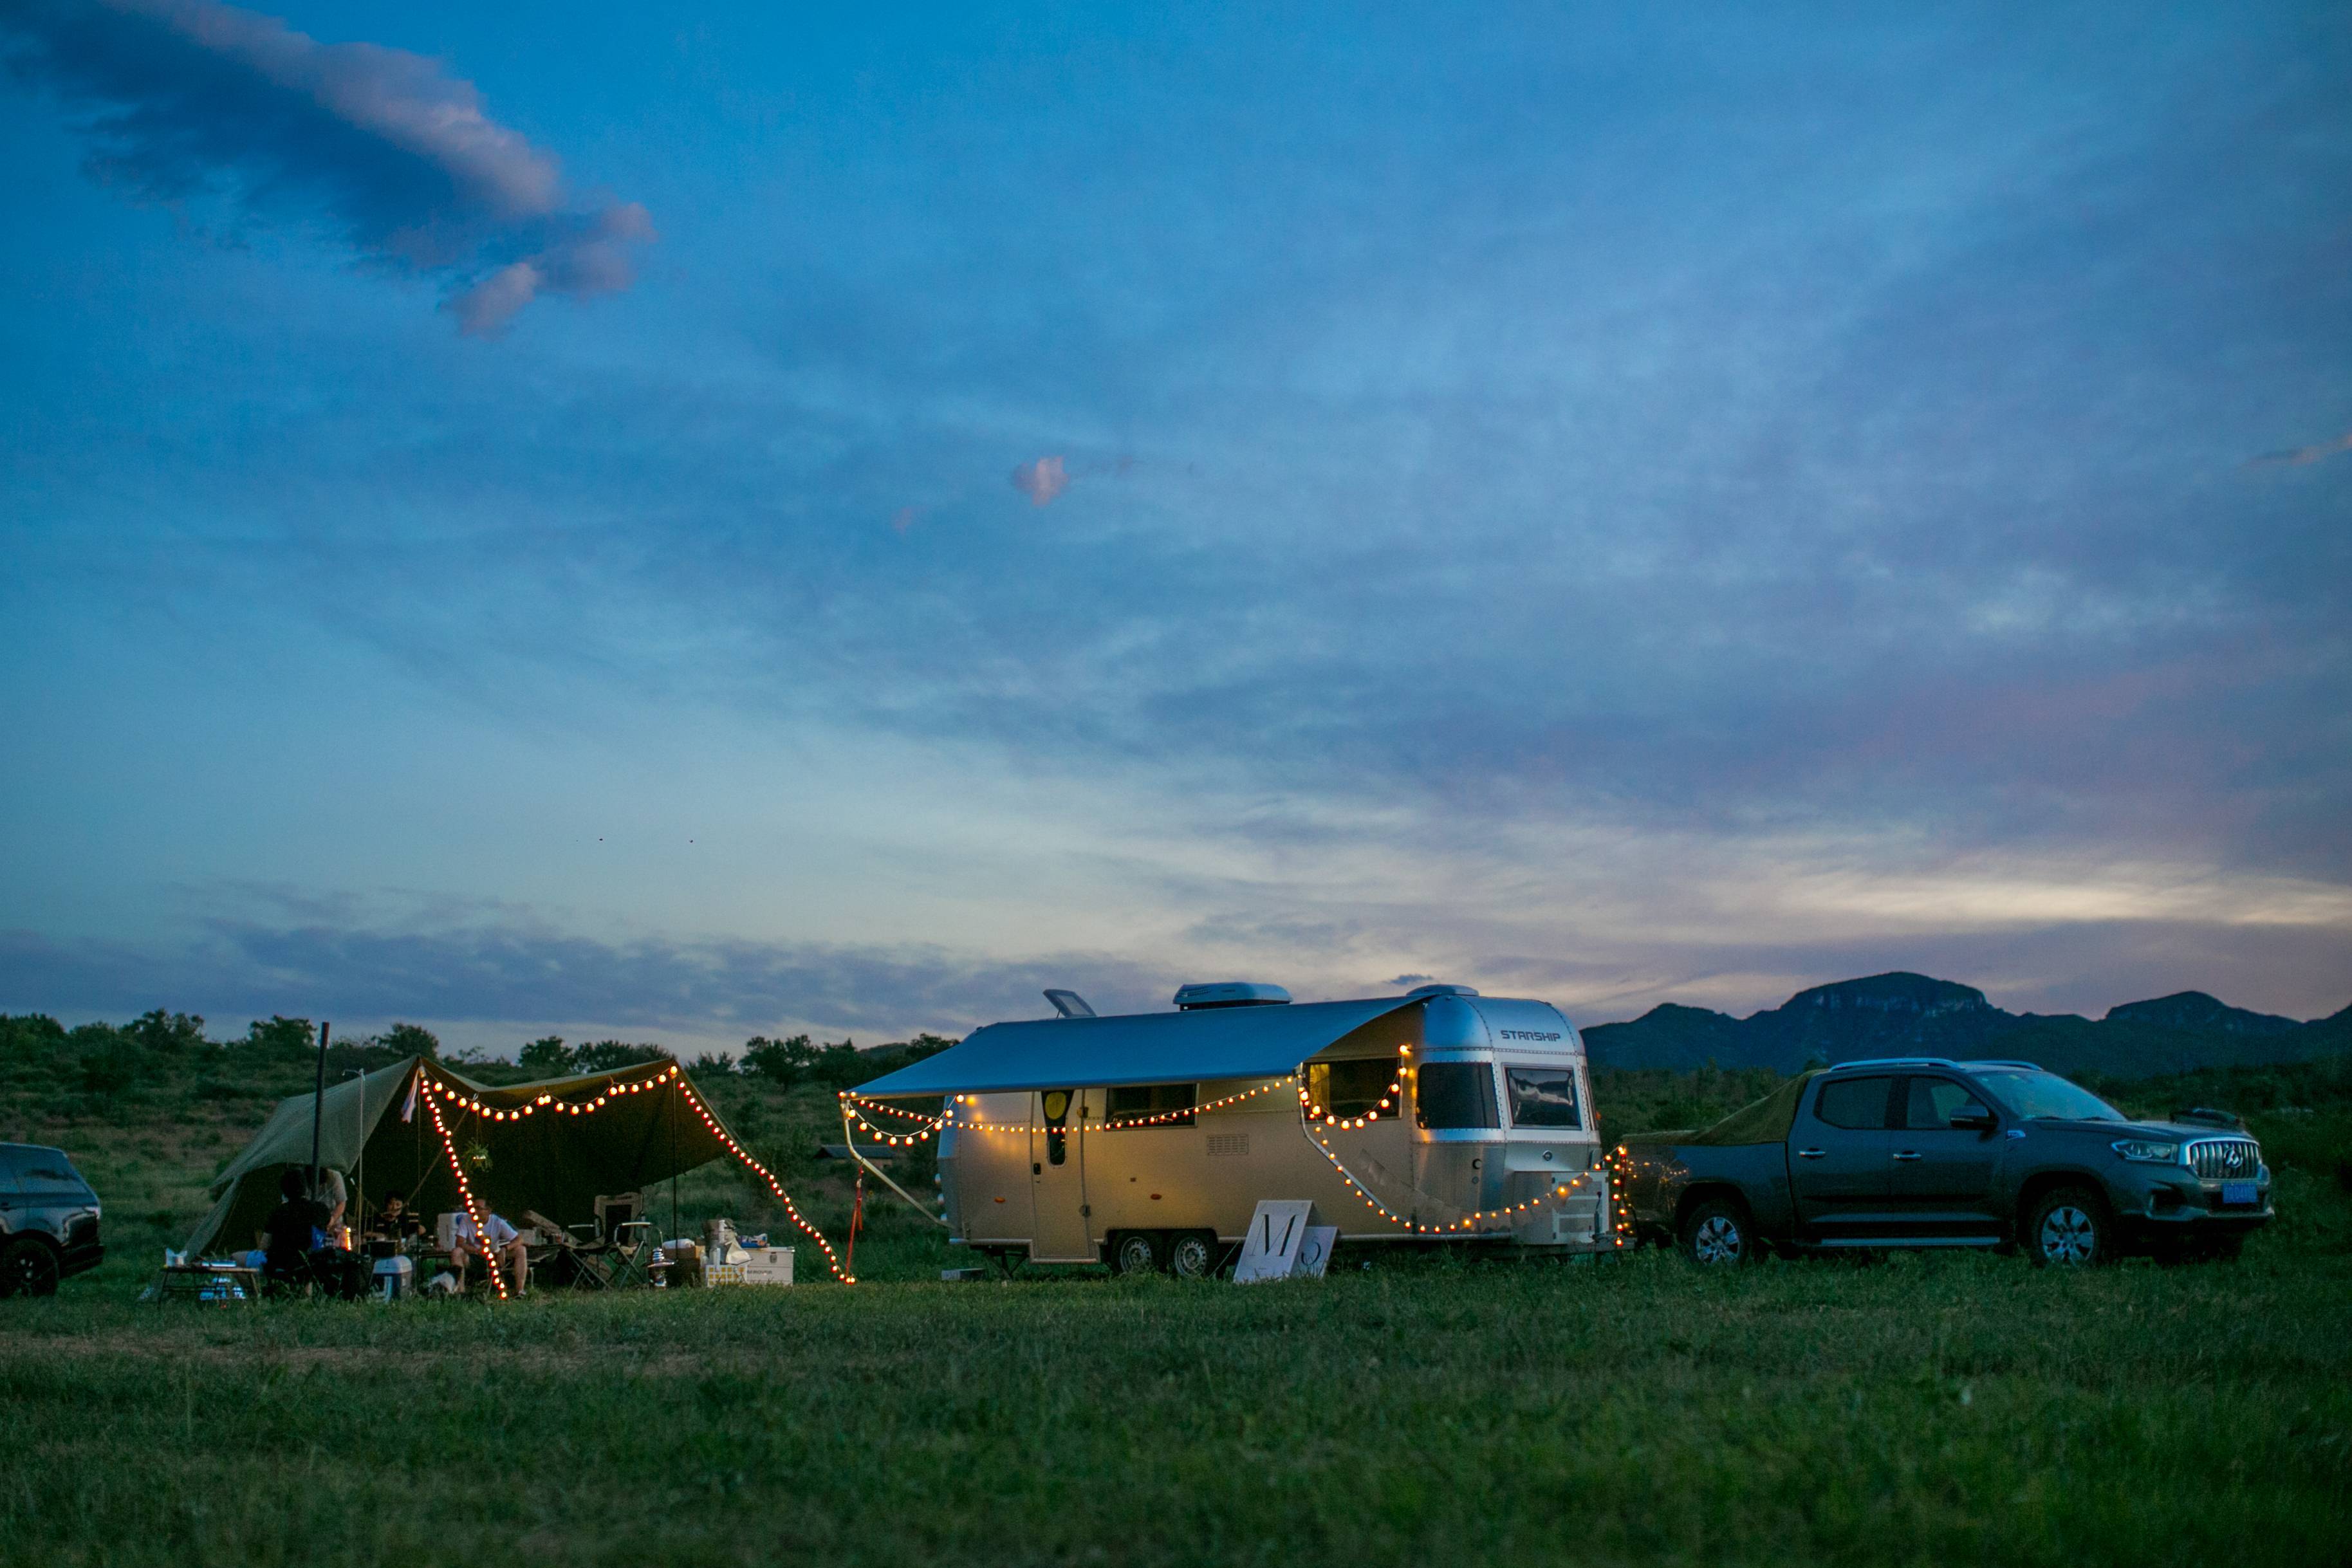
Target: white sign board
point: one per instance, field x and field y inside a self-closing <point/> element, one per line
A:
<point x="1278" y="1231"/>
<point x="1314" y="1252"/>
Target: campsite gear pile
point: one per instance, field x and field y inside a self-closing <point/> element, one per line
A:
<point x="569" y="1159"/>
<point x="726" y="1259"/>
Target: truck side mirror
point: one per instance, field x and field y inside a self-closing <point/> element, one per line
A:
<point x="1972" y="1118"/>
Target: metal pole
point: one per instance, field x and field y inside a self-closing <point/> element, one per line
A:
<point x="359" y="1161"/>
<point x="319" y="1106"/>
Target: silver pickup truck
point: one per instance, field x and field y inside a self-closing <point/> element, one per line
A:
<point x="1923" y="1151"/>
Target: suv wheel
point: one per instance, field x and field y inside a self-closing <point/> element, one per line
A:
<point x="2067" y="1228"/>
<point x="28" y="1268"/>
<point x="1718" y="1235"/>
<point x="1137" y="1252"/>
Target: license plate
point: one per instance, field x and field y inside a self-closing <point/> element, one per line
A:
<point x="2238" y="1192"/>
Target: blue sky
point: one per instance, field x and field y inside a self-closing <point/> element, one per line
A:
<point x="679" y="525"/>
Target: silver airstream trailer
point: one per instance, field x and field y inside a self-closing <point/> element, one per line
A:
<point x="1146" y="1141"/>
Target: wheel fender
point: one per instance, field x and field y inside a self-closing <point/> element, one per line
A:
<point x="2037" y="1186"/>
<point x="1718" y="1191"/>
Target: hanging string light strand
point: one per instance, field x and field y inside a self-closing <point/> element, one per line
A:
<point x="466" y="1194"/>
<point x="717" y="1130"/>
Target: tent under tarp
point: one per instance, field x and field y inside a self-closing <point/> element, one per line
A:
<point x="1765" y="1121"/>
<point x="1137" y="1047"/>
<point x="553" y="1146"/>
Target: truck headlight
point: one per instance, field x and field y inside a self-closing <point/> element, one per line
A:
<point x="2141" y="1152"/>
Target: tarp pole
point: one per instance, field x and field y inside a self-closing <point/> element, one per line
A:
<point x="319" y="1105"/>
<point x="359" y="1161"/>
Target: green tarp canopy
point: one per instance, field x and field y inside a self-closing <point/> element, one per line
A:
<point x="553" y="1146"/>
<point x="1766" y="1121"/>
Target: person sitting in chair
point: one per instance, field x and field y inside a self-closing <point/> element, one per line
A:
<point x="505" y="1246"/>
<point x="294" y="1244"/>
<point x="394" y="1221"/>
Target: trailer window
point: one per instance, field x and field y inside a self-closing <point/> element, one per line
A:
<point x="1543" y="1097"/>
<point x="1351" y="1088"/>
<point x="1455" y="1094"/>
<point x="1154" y="1104"/>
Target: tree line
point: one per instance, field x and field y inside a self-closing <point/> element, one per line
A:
<point x="103" y="1059"/>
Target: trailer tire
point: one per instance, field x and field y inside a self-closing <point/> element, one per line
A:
<point x="1192" y="1255"/>
<point x="1136" y="1252"/>
<point x="1719" y="1234"/>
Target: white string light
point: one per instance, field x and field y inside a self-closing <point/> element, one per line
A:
<point x="701" y="1108"/>
<point x="466" y="1196"/>
<point x="438" y="1092"/>
<point x="1472" y="1221"/>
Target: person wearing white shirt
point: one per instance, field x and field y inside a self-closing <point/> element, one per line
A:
<point x="505" y="1248"/>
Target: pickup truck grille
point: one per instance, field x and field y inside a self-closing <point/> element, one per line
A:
<point x="2235" y="1159"/>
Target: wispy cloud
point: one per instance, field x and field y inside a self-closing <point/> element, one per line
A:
<point x="2299" y="454"/>
<point x="186" y="101"/>
<point x="1043" y="480"/>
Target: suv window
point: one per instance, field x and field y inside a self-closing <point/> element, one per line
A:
<point x="1932" y="1102"/>
<point x="1543" y="1097"/>
<point x="1858" y="1104"/>
<point x="1455" y="1094"/>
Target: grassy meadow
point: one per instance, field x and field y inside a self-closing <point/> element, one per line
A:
<point x="1931" y="1409"/>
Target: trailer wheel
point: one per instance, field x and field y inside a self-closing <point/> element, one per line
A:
<point x="1136" y="1252"/>
<point x="1192" y="1255"/>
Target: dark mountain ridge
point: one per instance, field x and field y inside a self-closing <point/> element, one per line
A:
<point x="1903" y="1014"/>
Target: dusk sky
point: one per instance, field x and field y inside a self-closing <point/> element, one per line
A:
<point x="678" y="523"/>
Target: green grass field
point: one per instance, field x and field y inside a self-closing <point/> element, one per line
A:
<point x="1930" y="1409"/>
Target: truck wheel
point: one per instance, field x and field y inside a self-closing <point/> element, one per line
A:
<point x="2068" y="1228"/>
<point x="1716" y="1234"/>
<point x="1192" y="1256"/>
<point x="1136" y="1252"/>
<point x="28" y="1268"/>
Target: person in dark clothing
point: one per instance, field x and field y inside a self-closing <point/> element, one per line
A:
<point x="293" y="1230"/>
<point x="394" y="1222"/>
<point x="294" y="1242"/>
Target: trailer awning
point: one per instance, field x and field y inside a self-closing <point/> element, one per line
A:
<point x="1141" y="1048"/>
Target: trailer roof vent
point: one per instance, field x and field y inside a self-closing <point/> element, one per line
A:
<point x="1069" y="1004"/>
<point x="1229" y="994"/>
<point x="1443" y="991"/>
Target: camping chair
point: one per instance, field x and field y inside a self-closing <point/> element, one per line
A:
<point x="620" y="1241"/>
<point x="570" y="1261"/>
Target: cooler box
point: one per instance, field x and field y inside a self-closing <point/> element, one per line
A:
<point x="394" y="1278"/>
<point x="757" y="1266"/>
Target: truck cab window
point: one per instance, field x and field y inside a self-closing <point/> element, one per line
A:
<point x="1455" y="1094"/>
<point x="1351" y="1088"/>
<point x="1934" y="1102"/>
<point x="1857" y="1105"/>
<point x="1543" y="1097"/>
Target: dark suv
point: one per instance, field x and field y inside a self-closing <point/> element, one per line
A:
<point x="49" y="1220"/>
<point x="1928" y="1152"/>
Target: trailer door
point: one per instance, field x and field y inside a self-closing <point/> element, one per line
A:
<point x="1057" y="1179"/>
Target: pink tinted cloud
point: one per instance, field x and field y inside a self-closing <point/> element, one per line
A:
<point x="2305" y="454"/>
<point x="192" y="100"/>
<point x="1043" y="480"/>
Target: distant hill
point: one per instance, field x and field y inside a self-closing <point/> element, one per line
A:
<point x="2195" y="1009"/>
<point x="1903" y="1014"/>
